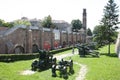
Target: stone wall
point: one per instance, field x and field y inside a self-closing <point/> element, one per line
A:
<point x="117" y="46"/>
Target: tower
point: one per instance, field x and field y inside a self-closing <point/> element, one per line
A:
<point x="84" y="24"/>
<point x="84" y="19"/>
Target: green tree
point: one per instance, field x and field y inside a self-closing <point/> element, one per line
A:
<point x="89" y="32"/>
<point x="98" y="33"/>
<point x="76" y="25"/>
<point x="47" y="22"/>
<point x="109" y="22"/>
<point x="21" y="22"/>
<point x="1" y="22"/>
<point x="8" y="24"/>
<point x="5" y="24"/>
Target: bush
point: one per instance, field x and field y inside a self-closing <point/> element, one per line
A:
<point x="16" y="57"/>
<point x="60" y="50"/>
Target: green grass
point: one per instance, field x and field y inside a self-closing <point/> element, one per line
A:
<point x="11" y="71"/>
<point x="104" y="49"/>
<point x="103" y="68"/>
<point x="69" y="51"/>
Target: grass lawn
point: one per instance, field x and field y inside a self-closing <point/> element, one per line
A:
<point x="103" y="68"/>
<point x="11" y="71"/>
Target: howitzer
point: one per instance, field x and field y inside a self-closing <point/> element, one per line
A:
<point x="45" y="61"/>
<point x="85" y="49"/>
<point x="63" y="67"/>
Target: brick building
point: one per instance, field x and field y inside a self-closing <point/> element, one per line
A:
<point x="24" y="39"/>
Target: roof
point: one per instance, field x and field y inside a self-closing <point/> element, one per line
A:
<point x="3" y="28"/>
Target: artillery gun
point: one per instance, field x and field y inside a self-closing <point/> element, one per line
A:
<point x="87" y="49"/>
<point x="64" y="68"/>
<point x="45" y="61"/>
<point x="83" y="50"/>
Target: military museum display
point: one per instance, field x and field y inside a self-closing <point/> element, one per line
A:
<point x="45" y="61"/>
<point x="64" y="67"/>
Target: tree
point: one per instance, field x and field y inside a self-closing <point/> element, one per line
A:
<point x="76" y="25"/>
<point x="98" y="33"/>
<point x="47" y="22"/>
<point x="1" y="22"/>
<point x="89" y="32"/>
<point x="110" y="21"/>
<point x="8" y="24"/>
<point x="21" y="22"/>
<point x="5" y="24"/>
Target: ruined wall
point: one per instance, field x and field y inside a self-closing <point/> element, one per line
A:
<point x="117" y="45"/>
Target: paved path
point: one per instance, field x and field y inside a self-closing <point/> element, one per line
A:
<point x="83" y="70"/>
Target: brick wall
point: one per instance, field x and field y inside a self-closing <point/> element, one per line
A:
<point x="21" y="40"/>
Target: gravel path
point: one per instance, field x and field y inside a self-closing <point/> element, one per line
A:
<point x="83" y="70"/>
<point x="59" y="57"/>
<point x="27" y="72"/>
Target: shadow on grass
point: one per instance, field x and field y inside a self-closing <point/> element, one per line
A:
<point x="89" y="56"/>
<point x="110" y="55"/>
<point x="106" y="54"/>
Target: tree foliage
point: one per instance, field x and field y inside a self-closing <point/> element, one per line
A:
<point x="89" y="32"/>
<point x="105" y="33"/>
<point x="1" y="22"/>
<point x="5" y="24"/>
<point x="76" y="25"/>
<point x="110" y="20"/>
<point x="99" y="36"/>
<point x="21" y="22"/>
<point x="47" y="22"/>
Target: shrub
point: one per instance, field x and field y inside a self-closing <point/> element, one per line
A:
<point x="16" y="57"/>
<point x="60" y="50"/>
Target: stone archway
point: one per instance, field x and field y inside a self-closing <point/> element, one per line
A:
<point x="34" y="48"/>
<point x="64" y="44"/>
<point x="19" y="49"/>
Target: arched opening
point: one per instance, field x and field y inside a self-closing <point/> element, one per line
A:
<point x="64" y="44"/>
<point x="18" y="49"/>
<point x="69" y="43"/>
<point x="35" y="48"/>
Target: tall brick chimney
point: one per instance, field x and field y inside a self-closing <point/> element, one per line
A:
<point x="84" y="19"/>
<point x="84" y="23"/>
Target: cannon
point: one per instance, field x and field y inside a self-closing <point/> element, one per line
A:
<point x="64" y="68"/>
<point x="45" y="61"/>
<point x="83" y="50"/>
<point x="87" y="49"/>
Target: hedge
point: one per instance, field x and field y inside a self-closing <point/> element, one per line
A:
<point x="16" y="57"/>
<point x="60" y="50"/>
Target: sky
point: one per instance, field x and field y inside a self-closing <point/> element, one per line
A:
<point x="66" y="10"/>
